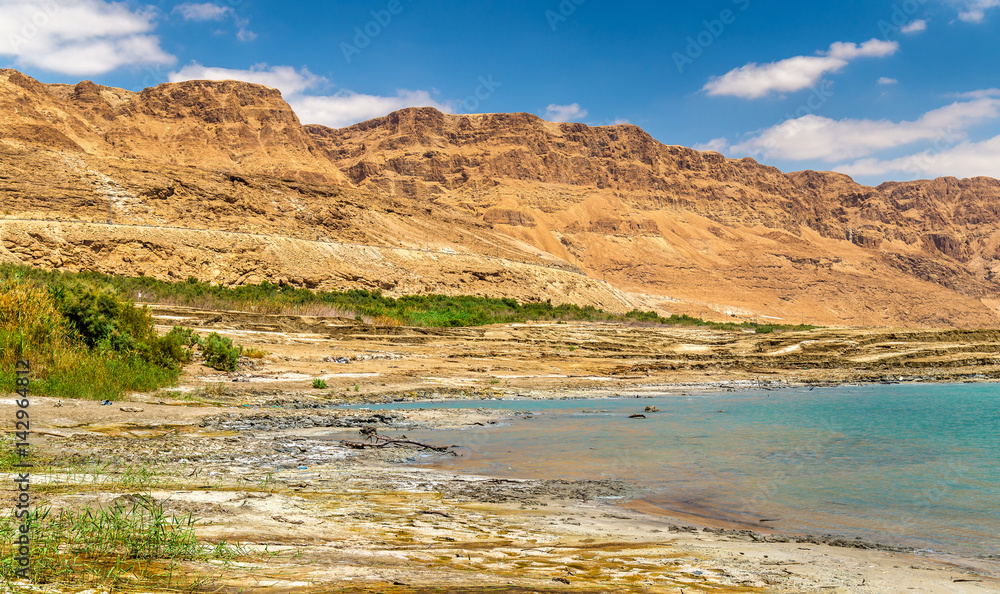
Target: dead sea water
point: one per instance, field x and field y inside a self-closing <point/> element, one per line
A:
<point x="912" y="465"/>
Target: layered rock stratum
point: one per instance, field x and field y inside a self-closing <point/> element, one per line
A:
<point x="221" y="181"/>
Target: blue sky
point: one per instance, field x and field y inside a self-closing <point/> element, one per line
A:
<point x="878" y="89"/>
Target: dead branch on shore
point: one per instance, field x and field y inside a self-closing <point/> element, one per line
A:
<point x="374" y="440"/>
<point x="436" y="513"/>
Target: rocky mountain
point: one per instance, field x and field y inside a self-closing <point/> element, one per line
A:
<point x="465" y="197"/>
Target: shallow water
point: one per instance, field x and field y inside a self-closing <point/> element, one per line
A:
<point x="905" y="464"/>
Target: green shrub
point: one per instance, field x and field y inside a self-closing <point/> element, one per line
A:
<point x="187" y="336"/>
<point x="220" y="353"/>
<point x="101" y="318"/>
<point x="319" y="384"/>
<point x="83" y="341"/>
<point x="172" y="349"/>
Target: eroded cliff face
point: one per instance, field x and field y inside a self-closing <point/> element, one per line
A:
<point x="729" y="236"/>
<point x="442" y="153"/>
<point x="680" y="230"/>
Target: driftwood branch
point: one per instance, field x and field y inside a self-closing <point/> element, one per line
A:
<point x="436" y="513"/>
<point x="378" y="441"/>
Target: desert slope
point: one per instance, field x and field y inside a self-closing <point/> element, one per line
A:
<point x="676" y="229"/>
<point x="729" y="236"/>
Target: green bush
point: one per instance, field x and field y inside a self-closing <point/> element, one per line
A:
<point x="87" y="340"/>
<point x="30" y="324"/>
<point x="319" y="384"/>
<point x="172" y="349"/>
<point x="101" y="318"/>
<point x="220" y="353"/>
<point x="64" y="364"/>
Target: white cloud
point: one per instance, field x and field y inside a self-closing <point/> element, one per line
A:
<point x="79" y="37"/>
<point x="202" y="12"/>
<point x="980" y="94"/>
<point x="815" y="137"/>
<point x="286" y="79"/>
<point x="966" y="159"/>
<point x="873" y="48"/>
<point x="244" y="34"/>
<point x="338" y="110"/>
<point x="347" y="107"/>
<point x="885" y="80"/>
<point x="717" y="145"/>
<point x="208" y="11"/>
<point x="915" y="27"/>
<point x="753" y="80"/>
<point x="974" y="11"/>
<point x="565" y="113"/>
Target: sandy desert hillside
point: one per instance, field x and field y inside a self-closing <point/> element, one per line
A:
<point x="495" y="204"/>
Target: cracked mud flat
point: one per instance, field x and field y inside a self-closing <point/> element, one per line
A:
<point x="260" y="462"/>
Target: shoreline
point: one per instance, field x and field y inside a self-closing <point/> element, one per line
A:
<point x="687" y="512"/>
<point x="358" y="520"/>
<point x="599" y="392"/>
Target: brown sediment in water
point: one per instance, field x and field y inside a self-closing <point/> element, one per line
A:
<point x="693" y="514"/>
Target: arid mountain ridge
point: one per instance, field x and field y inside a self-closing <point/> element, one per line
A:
<point x="651" y="225"/>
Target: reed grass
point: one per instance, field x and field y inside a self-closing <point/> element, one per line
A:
<point x="132" y="541"/>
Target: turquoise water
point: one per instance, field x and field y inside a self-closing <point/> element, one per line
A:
<point x="905" y="464"/>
